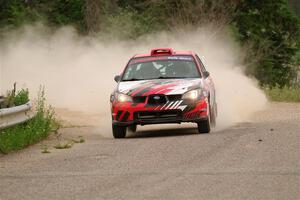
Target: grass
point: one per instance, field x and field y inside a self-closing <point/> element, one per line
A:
<point x="30" y="132"/>
<point x="22" y="97"/>
<point x="286" y="94"/>
<point x="15" y="98"/>
<point x="80" y="140"/>
<point x="45" y="149"/>
<point x="69" y="144"/>
<point x="64" y="145"/>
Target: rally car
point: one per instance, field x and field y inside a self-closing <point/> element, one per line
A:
<point x="163" y="86"/>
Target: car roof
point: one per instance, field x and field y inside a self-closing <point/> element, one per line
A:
<point x="169" y="51"/>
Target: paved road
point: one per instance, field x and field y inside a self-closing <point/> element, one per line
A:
<point x="252" y="160"/>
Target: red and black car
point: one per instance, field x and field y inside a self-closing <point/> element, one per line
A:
<point x="164" y="86"/>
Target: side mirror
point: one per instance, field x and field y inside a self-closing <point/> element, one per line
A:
<point x="206" y="74"/>
<point x="117" y="78"/>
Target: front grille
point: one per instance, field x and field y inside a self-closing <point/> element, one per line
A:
<point x="175" y="97"/>
<point x="139" y="99"/>
<point x="157" y="99"/>
<point x="158" y="115"/>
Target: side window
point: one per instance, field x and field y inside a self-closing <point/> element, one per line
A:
<point x="201" y="64"/>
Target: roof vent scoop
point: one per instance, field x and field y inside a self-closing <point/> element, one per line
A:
<point x="161" y="51"/>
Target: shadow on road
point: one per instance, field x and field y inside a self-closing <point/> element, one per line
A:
<point x="169" y="132"/>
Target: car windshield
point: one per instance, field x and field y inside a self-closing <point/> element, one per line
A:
<point x="161" y="67"/>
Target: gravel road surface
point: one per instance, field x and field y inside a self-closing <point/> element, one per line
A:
<point x="259" y="159"/>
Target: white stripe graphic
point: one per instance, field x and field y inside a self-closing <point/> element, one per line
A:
<point x="164" y="105"/>
<point x="175" y="104"/>
<point x="178" y="104"/>
<point x="169" y="105"/>
<point x="182" y="107"/>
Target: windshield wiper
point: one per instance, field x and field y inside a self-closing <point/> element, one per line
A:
<point x="169" y="77"/>
<point x="133" y="79"/>
<point x="160" y="77"/>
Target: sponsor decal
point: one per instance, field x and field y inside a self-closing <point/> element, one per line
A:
<point x="156" y="97"/>
<point x="185" y="58"/>
<point x="157" y="58"/>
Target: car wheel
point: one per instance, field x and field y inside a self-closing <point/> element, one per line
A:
<point x="204" y="126"/>
<point x="119" y="131"/>
<point x="132" y="128"/>
<point x="213" y="116"/>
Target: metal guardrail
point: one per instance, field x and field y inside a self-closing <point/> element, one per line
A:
<point x="16" y="115"/>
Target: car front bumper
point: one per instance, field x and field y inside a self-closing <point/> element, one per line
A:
<point x="126" y="114"/>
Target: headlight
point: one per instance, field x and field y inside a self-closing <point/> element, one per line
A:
<point x="123" y="98"/>
<point x="192" y="95"/>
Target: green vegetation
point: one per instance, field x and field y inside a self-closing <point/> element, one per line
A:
<point x="269" y="30"/>
<point x="285" y="94"/>
<point x="69" y="143"/>
<point x="22" y="97"/>
<point x="272" y="32"/>
<point x="45" y="149"/>
<point x="80" y="140"/>
<point x="15" y="13"/>
<point x="30" y="132"/>
<point x="295" y="5"/>
<point x="15" y="98"/>
<point x="64" y="145"/>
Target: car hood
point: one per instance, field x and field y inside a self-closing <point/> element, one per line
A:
<point x="159" y="86"/>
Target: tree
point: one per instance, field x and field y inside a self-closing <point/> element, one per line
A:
<point x="295" y="5"/>
<point x="273" y="32"/>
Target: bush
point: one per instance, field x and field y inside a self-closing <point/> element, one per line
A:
<point x="16" y="13"/>
<point x="272" y="32"/>
<point x="22" y="97"/>
<point x="30" y="132"/>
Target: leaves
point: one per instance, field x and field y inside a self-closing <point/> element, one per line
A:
<point x="22" y="97"/>
<point x="270" y="23"/>
<point x="268" y="28"/>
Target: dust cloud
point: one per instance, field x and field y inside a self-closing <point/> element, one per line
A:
<point x="78" y="72"/>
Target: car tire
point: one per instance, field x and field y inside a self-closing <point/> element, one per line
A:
<point x="204" y="126"/>
<point x="119" y="131"/>
<point x="132" y="128"/>
<point x="213" y="116"/>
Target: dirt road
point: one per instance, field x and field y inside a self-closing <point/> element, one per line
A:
<point x="252" y="160"/>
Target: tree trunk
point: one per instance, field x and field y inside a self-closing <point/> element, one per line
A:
<point x="93" y="15"/>
<point x="96" y="11"/>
